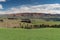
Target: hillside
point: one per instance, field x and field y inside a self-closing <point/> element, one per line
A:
<point x="33" y="16"/>
<point x="36" y="16"/>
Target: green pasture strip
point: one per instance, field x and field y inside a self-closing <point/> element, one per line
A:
<point x="29" y="34"/>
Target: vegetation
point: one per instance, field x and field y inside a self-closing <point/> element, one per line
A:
<point x="28" y="23"/>
<point x="30" y="34"/>
<point x="41" y="21"/>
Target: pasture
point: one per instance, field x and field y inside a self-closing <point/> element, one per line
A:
<point x="41" y="21"/>
<point x="17" y="22"/>
<point x="29" y="34"/>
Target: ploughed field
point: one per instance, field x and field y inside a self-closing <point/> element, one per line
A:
<point x="29" y="34"/>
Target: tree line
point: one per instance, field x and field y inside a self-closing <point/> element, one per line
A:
<point x="39" y="26"/>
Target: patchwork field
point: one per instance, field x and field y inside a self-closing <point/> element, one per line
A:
<point x="30" y="34"/>
<point x="17" y="23"/>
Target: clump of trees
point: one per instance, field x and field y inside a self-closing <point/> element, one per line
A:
<point x="31" y="26"/>
<point x="26" y="20"/>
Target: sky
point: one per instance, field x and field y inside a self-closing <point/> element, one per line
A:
<point x="31" y="6"/>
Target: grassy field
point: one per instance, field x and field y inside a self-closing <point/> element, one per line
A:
<point x="30" y="34"/>
<point x="41" y="21"/>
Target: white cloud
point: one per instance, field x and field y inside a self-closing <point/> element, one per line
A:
<point x="2" y="0"/>
<point x="45" y="8"/>
<point x="1" y="7"/>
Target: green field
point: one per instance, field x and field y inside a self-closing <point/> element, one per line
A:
<point x="30" y="34"/>
<point x="41" y="21"/>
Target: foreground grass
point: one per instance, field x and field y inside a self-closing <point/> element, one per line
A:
<point x="30" y="34"/>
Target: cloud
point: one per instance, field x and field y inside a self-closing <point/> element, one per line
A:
<point x="45" y="8"/>
<point x="1" y="7"/>
<point x="2" y="0"/>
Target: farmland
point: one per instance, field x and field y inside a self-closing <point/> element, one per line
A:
<point x="29" y="34"/>
<point x="11" y="23"/>
<point x="41" y="21"/>
<point x="14" y="28"/>
<point x="14" y="20"/>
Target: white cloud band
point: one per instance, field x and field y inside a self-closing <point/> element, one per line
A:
<point x="45" y="8"/>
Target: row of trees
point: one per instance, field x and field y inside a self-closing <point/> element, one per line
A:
<point x="26" y="24"/>
<point x="40" y="26"/>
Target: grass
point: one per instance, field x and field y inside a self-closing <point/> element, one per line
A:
<point x="41" y="21"/>
<point x="30" y="34"/>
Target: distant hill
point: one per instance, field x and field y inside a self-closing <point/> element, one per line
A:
<point x="34" y="16"/>
<point x="37" y="15"/>
<point x="55" y="17"/>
